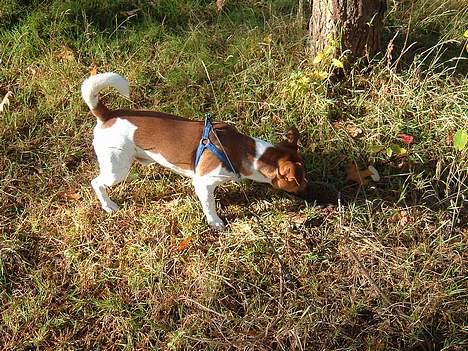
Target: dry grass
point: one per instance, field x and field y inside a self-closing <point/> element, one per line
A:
<point x="385" y="270"/>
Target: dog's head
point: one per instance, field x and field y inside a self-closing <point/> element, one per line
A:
<point x="289" y="173"/>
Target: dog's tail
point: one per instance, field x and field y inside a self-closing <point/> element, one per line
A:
<point x="94" y="84"/>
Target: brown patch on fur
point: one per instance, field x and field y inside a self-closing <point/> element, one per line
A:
<point x="239" y="148"/>
<point x="177" y="138"/>
<point x="102" y="112"/>
<point x="109" y="123"/>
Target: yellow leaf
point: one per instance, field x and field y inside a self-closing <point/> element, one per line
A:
<point x="465" y="34"/>
<point x="320" y="75"/>
<point x="304" y="81"/>
<point x="397" y="150"/>
<point x="337" y="63"/>
<point x="320" y="56"/>
<point x="93" y="71"/>
<point x="329" y="50"/>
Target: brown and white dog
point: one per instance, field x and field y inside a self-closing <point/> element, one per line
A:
<point x="123" y="136"/>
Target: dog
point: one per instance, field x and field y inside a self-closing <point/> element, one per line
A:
<point x="123" y="136"/>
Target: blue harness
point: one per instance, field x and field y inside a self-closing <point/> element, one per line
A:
<point x="205" y="143"/>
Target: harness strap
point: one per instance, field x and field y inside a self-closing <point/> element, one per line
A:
<point x="205" y="143"/>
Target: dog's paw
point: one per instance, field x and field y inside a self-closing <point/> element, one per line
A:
<point x="110" y="207"/>
<point x="217" y="225"/>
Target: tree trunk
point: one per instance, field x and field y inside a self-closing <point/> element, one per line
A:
<point x="355" y="24"/>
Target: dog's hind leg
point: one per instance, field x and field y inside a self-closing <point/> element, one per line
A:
<point x="113" y="168"/>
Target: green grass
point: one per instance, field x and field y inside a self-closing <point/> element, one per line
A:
<point x="384" y="271"/>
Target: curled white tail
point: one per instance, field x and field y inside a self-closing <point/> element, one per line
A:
<point x="94" y="84"/>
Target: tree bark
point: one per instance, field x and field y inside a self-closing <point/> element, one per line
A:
<point x="355" y="24"/>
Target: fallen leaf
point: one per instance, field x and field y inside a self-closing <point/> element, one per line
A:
<point x="356" y="175"/>
<point x="65" y="54"/>
<point x="263" y="105"/>
<point x="71" y="195"/>
<point x="397" y="150"/>
<point x="319" y="75"/>
<point x="465" y="34"/>
<point x="407" y="139"/>
<point x="338" y="124"/>
<point x="220" y="4"/>
<point x="460" y="139"/>
<point x="401" y="218"/>
<point x="449" y="139"/>
<point x="93" y="71"/>
<point x="5" y="100"/>
<point x="130" y="13"/>
<point x="351" y="129"/>
<point x="297" y="218"/>
<point x="374" y="149"/>
<point x="184" y="243"/>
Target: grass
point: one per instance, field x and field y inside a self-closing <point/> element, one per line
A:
<point x="386" y="270"/>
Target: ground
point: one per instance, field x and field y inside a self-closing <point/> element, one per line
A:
<point x="384" y="270"/>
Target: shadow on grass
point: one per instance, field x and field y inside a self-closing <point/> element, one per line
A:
<point x="328" y="186"/>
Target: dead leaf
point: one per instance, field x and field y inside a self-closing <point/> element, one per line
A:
<point x="263" y="105"/>
<point x="93" y="71"/>
<point x="360" y="176"/>
<point x="65" y="54"/>
<point x="220" y="4"/>
<point x="353" y="130"/>
<point x="297" y="218"/>
<point x="400" y="217"/>
<point x="5" y="100"/>
<point x="184" y="243"/>
<point x="449" y="138"/>
<point x="130" y="13"/>
<point x="71" y="195"/>
<point x="338" y="124"/>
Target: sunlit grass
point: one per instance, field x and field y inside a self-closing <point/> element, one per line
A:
<point x="384" y="271"/>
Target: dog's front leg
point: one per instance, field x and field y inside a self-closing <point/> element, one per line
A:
<point x="205" y="192"/>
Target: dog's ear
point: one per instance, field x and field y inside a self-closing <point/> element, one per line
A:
<point x="292" y="138"/>
<point x="291" y="172"/>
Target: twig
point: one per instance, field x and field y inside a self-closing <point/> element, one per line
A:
<point x="203" y="308"/>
